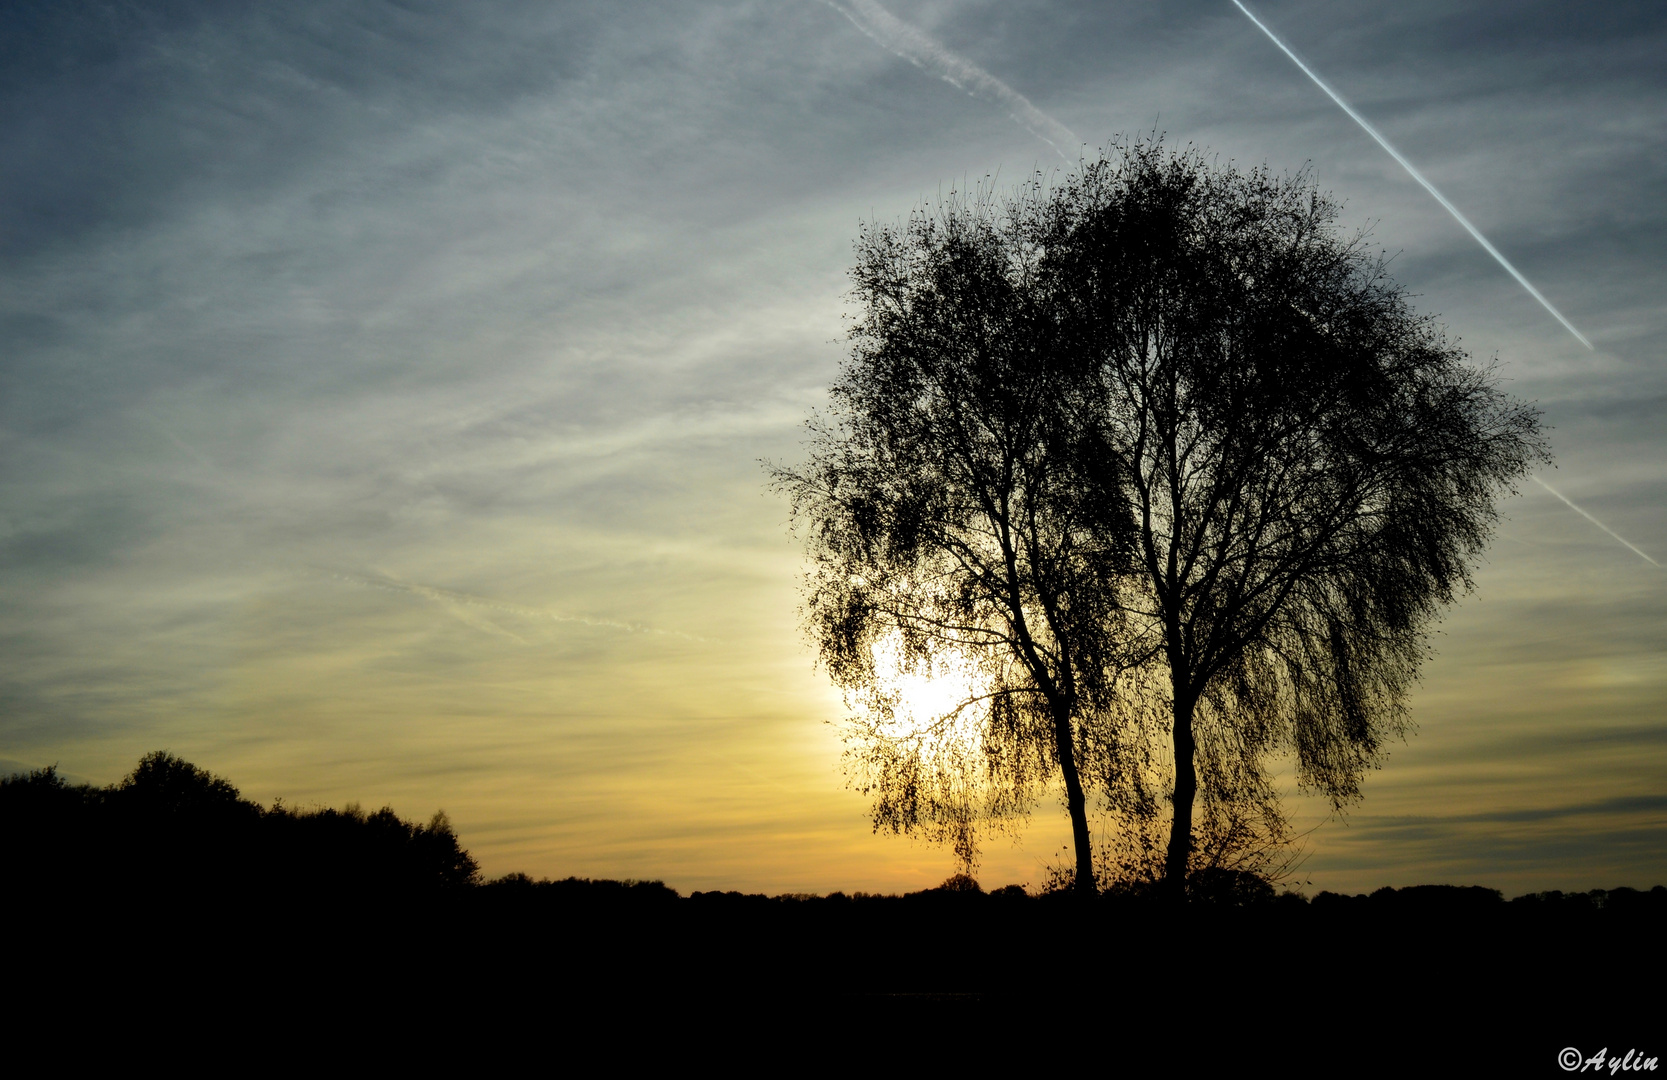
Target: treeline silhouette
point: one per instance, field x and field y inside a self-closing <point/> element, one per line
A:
<point x="172" y="829"/>
<point x="172" y="873"/>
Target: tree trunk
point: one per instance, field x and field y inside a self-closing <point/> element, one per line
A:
<point x="1083" y="884"/>
<point x="1186" y="790"/>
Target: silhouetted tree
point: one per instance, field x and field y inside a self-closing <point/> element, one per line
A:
<point x="962" y="520"/>
<point x="1160" y="418"/>
<point x="1311" y="466"/>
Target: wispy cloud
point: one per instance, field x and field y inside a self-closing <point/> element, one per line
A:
<point x="928" y="54"/>
<point x="466" y="606"/>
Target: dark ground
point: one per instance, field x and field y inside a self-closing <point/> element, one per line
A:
<point x="1403" y="978"/>
<point x="142" y="923"/>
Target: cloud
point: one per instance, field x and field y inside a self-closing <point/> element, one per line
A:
<point x="465" y="607"/>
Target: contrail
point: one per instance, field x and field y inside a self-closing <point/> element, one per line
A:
<point x="1418" y="176"/>
<point x="923" y="52"/>
<point x="1632" y="547"/>
<point x="454" y="601"/>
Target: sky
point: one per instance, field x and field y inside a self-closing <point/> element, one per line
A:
<point x="384" y="386"/>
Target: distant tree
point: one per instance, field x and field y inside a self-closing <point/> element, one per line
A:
<point x="1310" y="468"/>
<point x="963" y="521"/>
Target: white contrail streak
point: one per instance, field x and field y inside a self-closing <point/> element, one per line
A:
<point x="917" y="48"/>
<point x="1570" y="503"/>
<point x="1418" y="176"/>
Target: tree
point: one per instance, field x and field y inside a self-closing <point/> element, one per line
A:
<point x="1152" y="454"/>
<point x="1311" y="466"/>
<point x="965" y="523"/>
<point x="163" y="785"/>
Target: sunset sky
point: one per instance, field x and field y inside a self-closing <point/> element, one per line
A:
<point x="383" y="390"/>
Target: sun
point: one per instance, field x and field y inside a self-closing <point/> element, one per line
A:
<point x="925" y="694"/>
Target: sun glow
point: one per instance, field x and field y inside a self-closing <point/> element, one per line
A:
<point x="921" y="694"/>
